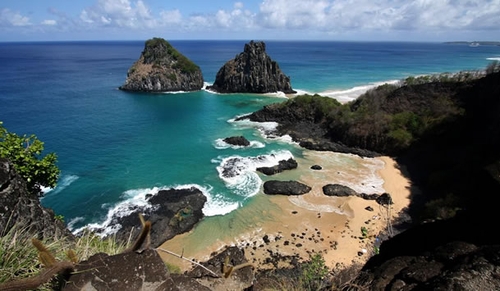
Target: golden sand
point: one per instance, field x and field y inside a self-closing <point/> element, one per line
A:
<point x="303" y="225"/>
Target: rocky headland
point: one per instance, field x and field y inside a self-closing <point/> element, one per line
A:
<point x="252" y="71"/>
<point x="171" y="212"/>
<point x="161" y="68"/>
<point x="446" y="132"/>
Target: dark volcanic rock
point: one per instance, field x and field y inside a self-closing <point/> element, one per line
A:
<point x="128" y="271"/>
<point x="338" y="190"/>
<point x="252" y="71"/>
<point x="316" y="167"/>
<point x="241" y="279"/>
<point x="161" y="68"/>
<point x="282" y="166"/>
<point x="18" y="207"/>
<point x="303" y="128"/>
<point x="385" y="199"/>
<point x="237" y="141"/>
<point x="285" y="187"/>
<point x="173" y="211"/>
<point x="453" y="266"/>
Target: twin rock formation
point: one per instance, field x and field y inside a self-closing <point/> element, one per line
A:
<point x="161" y="68"/>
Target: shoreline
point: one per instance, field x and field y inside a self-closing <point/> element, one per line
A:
<point x="274" y="230"/>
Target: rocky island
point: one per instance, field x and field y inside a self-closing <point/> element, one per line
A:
<point x="252" y="71"/>
<point x="161" y="68"/>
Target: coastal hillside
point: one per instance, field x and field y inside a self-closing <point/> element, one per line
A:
<point x="426" y="122"/>
<point x="161" y="68"/>
<point x="252" y="71"/>
<point x="446" y="132"/>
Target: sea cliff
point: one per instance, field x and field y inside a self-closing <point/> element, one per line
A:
<point x="252" y="71"/>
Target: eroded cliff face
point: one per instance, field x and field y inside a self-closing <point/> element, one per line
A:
<point x="161" y="68"/>
<point x="252" y="71"/>
<point x="18" y="208"/>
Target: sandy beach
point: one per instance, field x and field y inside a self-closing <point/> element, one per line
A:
<point x="274" y="229"/>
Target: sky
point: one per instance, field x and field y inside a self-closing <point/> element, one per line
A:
<point x="353" y="20"/>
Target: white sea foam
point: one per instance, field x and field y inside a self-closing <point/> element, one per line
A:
<point x="265" y="129"/>
<point x="494" y="59"/>
<point x="239" y="173"/>
<point x="217" y="204"/>
<point x="64" y="182"/>
<point x="302" y="203"/>
<point x="72" y="222"/>
<point x="136" y="199"/>
<point x="278" y="94"/>
<point x="133" y="199"/>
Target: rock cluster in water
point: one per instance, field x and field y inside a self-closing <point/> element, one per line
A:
<point x="161" y="68"/>
<point x="252" y="71"/>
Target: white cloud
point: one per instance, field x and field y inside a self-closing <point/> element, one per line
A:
<point x="170" y="17"/>
<point x="11" y="18"/>
<point x="282" y="18"/>
<point x="120" y="13"/>
<point x="49" y="22"/>
<point x="384" y="15"/>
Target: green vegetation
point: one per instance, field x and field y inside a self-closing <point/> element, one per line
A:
<point x="160" y="52"/>
<point x="389" y="118"/>
<point x="442" y="208"/>
<point x="25" y="154"/>
<point x="173" y="269"/>
<point x="20" y="259"/>
<point x="364" y="232"/>
<point x="314" y="273"/>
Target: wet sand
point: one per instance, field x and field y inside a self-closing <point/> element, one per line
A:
<point x="275" y="229"/>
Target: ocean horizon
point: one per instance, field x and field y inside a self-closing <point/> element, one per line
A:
<point x="114" y="147"/>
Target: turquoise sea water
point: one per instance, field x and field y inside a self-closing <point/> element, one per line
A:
<point x="114" y="147"/>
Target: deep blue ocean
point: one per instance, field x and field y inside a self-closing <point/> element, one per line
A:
<point x="114" y="147"/>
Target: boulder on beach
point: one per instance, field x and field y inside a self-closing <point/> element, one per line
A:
<point x="285" y="188"/>
<point x="338" y="190"/>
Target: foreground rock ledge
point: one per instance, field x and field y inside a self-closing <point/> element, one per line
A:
<point x="252" y="71"/>
<point x="161" y="68"/>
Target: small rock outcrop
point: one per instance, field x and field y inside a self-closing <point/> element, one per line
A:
<point x="316" y="167"/>
<point x="18" y="208"/>
<point x="283" y="165"/>
<point x="161" y="68"/>
<point x="241" y="277"/>
<point x="338" y="190"/>
<point x="252" y="71"/>
<point x="172" y="212"/>
<point x="285" y="188"/>
<point x="237" y="141"/>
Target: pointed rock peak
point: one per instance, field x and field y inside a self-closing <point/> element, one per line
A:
<point x="255" y="47"/>
<point x="252" y="71"/>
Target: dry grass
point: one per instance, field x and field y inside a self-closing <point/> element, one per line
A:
<point x="19" y="258"/>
